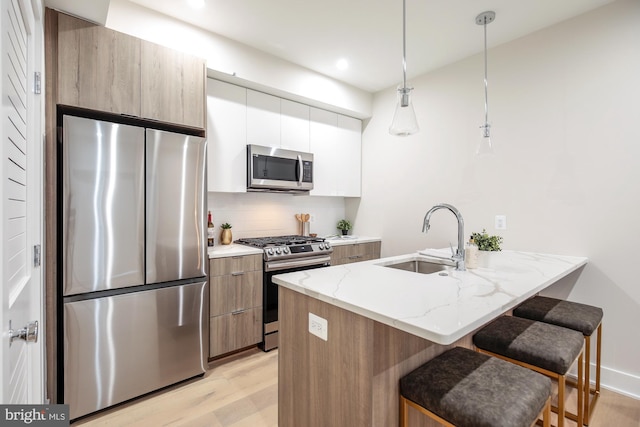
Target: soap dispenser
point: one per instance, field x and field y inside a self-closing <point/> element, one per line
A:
<point x="471" y="254"/>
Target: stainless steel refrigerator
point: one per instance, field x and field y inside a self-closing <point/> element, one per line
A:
<point x="134" y="291"/>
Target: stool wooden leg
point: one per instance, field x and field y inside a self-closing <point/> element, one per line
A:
<point x="561" y="380"/>
<point x="546" y="414"/>
<point x="581" y="387"/>
<point x="587" y="379"/>
<point x="404" y="412"/>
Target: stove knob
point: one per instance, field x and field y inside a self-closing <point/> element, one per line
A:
<point x="285" y="250"/>
<point x="327" y="246"/>
<point x="278" y="251"/>
<point x="270" y="251"/>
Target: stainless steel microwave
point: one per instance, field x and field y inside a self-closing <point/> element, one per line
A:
<point x="277" y="169"/>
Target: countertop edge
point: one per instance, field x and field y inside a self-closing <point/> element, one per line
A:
<point x="223" y="251"/>
<point x="443" y="339"/>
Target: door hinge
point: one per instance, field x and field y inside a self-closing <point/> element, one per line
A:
<point x="36" y="255"/>
<point x="37" y="82"/>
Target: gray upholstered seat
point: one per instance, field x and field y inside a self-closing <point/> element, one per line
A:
<point x="539" y="344"/>
<point x="579" y="317"/>
<point x="467" y="388"/>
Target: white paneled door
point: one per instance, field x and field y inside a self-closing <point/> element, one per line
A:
<point x="21" y="373"/>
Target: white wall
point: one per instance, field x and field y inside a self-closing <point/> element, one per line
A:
<point x="253" y="68"/>
<point x="269" y="214"/>
<point x="564" y="108"/>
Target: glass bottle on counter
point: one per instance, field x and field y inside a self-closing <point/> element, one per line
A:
<point x="211" y="231"/>
<point x="471" y="254"/>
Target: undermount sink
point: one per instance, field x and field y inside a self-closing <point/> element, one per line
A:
<point x="422" y="266"/>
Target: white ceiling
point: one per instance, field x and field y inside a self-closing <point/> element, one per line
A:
<point x="368" y="33"/>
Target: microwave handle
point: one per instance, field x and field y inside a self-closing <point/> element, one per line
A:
<point x="299" y="169"/>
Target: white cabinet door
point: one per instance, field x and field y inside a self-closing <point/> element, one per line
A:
<point x="263" y="119"/>
<point x="349" y="160"/>
<point x="227" y="137"/>
<point x="294" y="121"/>
<point x="335" y="141"/>
<point x="323" y="127"/>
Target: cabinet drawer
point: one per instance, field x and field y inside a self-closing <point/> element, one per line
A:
<point x="356" y="252"/>
<point x="234" y="331"/>
<point x="234" y="264"/>
<point x="235" y="292"/>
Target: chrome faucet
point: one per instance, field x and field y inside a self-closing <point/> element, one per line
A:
<point x="458" y="256"/>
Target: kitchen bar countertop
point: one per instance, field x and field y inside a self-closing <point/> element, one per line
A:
<point x="234" y="249"/>
<point x="438" y="308"/>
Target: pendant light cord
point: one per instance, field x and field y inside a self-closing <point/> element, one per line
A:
<point x="486" y="92"/>
<point x="404" y="44"/>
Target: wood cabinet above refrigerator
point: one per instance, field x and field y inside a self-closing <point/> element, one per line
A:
<point x="102" y="69"/>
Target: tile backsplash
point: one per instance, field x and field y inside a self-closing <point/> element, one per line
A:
<point x="269" y="214"/>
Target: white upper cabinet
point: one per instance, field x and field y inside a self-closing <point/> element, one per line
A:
<point x="349" y="159"/>
<point x="294" y="123"/>
<point x="323" y="135"/>
<point x="335" y="141"/>
<point x="226" y="137"/>
<point x="237" y="116"/>
<point x="263" y="119"/>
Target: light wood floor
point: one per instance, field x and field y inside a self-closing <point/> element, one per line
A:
<point x="242" y="391"/>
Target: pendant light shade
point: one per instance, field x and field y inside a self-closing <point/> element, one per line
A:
<point x="484" y="144"/>
<point x="404" y="119"/>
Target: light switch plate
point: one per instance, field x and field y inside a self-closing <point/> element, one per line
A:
<point x="501" y="222"/>
<point x="318" y="326"/>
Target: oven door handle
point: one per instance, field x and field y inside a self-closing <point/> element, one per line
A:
<point x="283" y="265"/>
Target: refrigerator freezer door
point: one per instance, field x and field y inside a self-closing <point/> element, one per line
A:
<point x="176" y="224"/>
<point x="102" y="205"/>
<point x="120" y="347"/>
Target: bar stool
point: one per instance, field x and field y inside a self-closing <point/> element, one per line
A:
<point x="579" y="317"/>
<point x="548" y="349"/>
<point x="464" y="388"/>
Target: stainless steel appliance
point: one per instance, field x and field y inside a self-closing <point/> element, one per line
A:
<point x="134" y="294"/>
<point x="284" y="254"/>
<point x="277" y="169"/>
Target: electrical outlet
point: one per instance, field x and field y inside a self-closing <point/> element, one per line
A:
<point x="318" y="326"/>
<point x="501" y="222"/>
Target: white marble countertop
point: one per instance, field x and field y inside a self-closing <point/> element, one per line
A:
<point x="441" y="309"/>
<point x="350" y="240"/>
<point x="234" y="249"/>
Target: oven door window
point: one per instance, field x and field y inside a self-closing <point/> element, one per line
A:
<point x="270" y="294"/>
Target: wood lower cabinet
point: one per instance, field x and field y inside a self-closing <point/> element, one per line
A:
<point x="235" y="289"/>
<point x="345" y="254"/>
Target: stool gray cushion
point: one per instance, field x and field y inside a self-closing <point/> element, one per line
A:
<point x="579" y="317"/>
<point x="540" y="344"/>
<point x="468" y="388"/>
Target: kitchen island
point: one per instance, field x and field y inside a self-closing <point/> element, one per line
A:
<point x="383" y="322"/>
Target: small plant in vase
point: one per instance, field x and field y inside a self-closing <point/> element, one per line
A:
<point x="486" y="244"/>
<point x="226" y="236"/>
<point x="344" y="225"/>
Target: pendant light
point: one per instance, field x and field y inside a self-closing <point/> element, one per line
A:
<point x="484" y="145"/>
<point x="404" y="119"/>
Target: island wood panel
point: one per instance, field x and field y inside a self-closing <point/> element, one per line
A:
<point x="321" y="382"/>
<point x="173" y="86"/>
<point x="98" y="68"/>
<point x="351" y="379"/>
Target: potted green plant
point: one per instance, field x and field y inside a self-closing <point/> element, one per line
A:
<point x="485" y="242"/>
<point x="344" y="225"/>
<point x="226" y="236"/>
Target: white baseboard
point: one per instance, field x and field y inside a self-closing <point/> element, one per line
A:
<point x="617" y="381"/>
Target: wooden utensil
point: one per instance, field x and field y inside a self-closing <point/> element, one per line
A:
<point x="306" y="217"/>
<point x="299" y="217"/>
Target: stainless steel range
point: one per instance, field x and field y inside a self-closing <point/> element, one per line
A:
<point x="284" y="254"/>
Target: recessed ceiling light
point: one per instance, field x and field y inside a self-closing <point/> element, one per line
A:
<point x="342" y="64"/>
<point x="196" y="4"/>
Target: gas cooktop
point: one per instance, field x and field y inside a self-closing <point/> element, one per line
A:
<point x="288" y="247"/>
